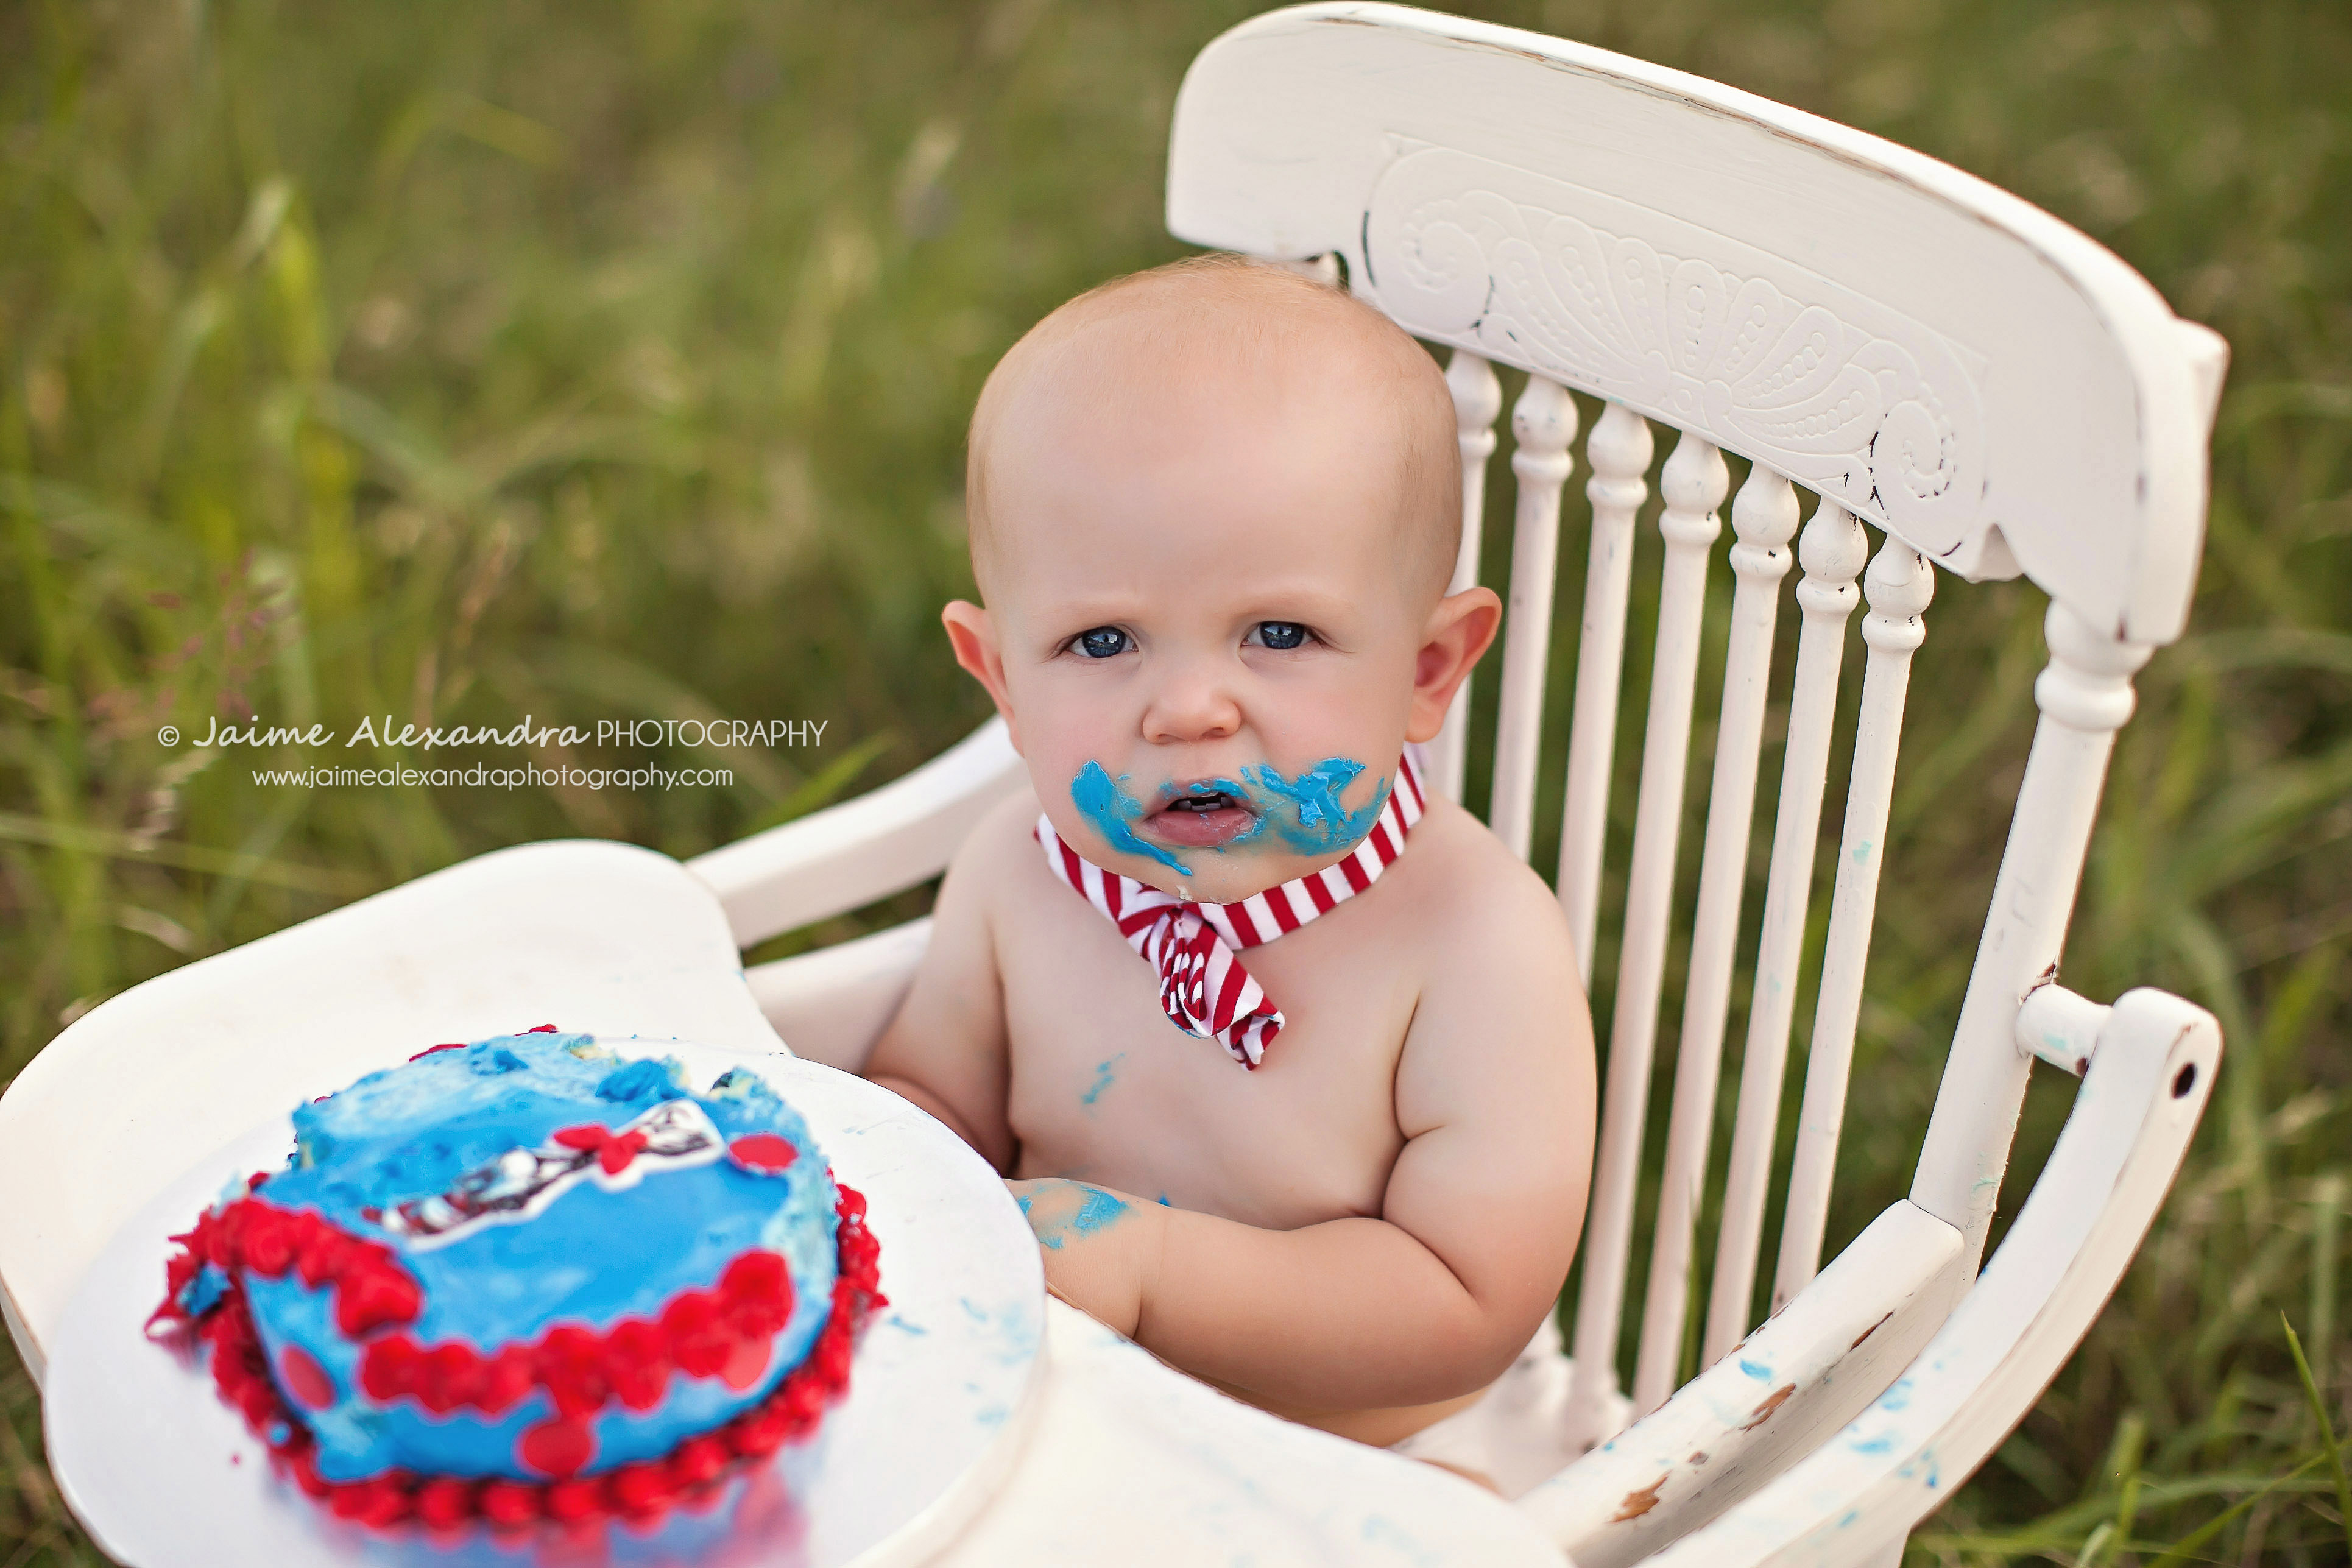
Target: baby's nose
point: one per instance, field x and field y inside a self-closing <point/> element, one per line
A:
<point x="1190" y="706"/>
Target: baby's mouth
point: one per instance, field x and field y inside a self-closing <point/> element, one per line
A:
<point x="1202" y="818"/>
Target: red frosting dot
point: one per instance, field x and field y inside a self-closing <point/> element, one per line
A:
<point x="745" y="1363"/>
<point x="509" y="1502"/>
<point x="304" y="1378"/>
<point x="764" y="1152"/>
<point x="576" y="1501"/>
<point x="698" y="1459"/>
<point x="446" y="1503"/>
<point x="558" y="1447"/>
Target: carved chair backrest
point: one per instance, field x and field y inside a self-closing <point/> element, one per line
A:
<point x="1991" y="389"/>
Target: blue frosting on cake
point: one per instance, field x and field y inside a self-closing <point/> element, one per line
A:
<point x="592" y="1256"/>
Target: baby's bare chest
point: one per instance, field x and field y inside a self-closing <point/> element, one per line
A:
<point x="1105" y="1088"/>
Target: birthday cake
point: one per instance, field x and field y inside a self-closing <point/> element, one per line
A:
<point x="525" y="1278"/>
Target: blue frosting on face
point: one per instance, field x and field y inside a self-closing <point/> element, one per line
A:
<point x="591" y="1257"/>
<point x="1309" y="817"/>
<point x="1304" y="812"/>
<point x="1113" y="811"/>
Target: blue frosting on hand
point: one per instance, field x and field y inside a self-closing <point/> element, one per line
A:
<point x="1097" y="1211"/>
<point x="1071" y="1208"/>
<point x="592" y="1256"/>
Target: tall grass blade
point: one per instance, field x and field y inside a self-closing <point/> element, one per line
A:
<point x="2326" y="1430"/>
<point x="2179" y="1552"/>
<point x="2326" y="1216"/>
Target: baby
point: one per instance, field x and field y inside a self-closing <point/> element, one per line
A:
<point x="1285" y="1052"/>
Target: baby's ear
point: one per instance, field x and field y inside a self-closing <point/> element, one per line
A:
<point x="1459" y="630"/>
<point x="973" y="634"/>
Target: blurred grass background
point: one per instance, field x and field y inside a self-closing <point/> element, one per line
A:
<point x="611" y="360"/>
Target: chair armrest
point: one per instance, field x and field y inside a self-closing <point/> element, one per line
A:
<point x="832" y="1004"/>
<point x="1894" y="1464"/>
<point x="1800" y="1375"/>
<point x="863" y="849"/>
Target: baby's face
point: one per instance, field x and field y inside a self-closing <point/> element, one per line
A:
<point x="1208" y="623"/>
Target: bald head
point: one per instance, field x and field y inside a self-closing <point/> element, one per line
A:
<point x="1219" y="330"/>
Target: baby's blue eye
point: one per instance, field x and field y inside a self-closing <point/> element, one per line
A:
<point x="1103" y="642"/>
<point x="1279" y="633"/>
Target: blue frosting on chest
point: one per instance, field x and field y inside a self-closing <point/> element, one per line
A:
<point x="591" y="1257"/>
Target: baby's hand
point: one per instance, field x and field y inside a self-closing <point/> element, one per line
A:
<point x="1101" y="1248"/>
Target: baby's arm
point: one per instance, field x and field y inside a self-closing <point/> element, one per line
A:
<point x="945" y="1049"/>
<point x="1433" y="1299"/>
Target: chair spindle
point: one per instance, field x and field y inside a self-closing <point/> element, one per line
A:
<point x="1542" y="425"/>
<point x="2085" y="695"/>
<point x="1835" y="549"/>
<point x="1478" y="400"/>
<point x="1763" y="520"/>
<point x="1618" y="452"/>
<point x="1694" y="484"/>
<point x="1898" y="585"/>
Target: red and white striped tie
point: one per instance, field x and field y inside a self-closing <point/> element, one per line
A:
<point x="1204" y="988"/>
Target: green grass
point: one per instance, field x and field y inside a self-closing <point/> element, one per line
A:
<point x="610" y="361"/>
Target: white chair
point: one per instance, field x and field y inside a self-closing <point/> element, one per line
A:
<point x="1993" y="391"/>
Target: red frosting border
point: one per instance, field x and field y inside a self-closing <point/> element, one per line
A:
<point x="372" y="1289"/>
<point x="640" y="1491"/>
<point x="723" y="1331"/>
